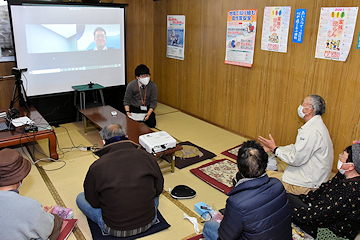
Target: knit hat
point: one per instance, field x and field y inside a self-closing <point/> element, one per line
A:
<point x="356" y="156"/>
<point x="13" y="167"/>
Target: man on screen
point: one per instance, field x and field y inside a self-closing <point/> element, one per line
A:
<point x="100" y="39"/>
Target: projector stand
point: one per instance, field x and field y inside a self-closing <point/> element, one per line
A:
<point x="19" y="88"/>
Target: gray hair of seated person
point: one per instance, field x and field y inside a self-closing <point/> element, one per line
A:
<point x="318" y="104"/>
<point x="111" y="130"/>
<point x="252" y="159"/>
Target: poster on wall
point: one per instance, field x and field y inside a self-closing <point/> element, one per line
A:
<point x="240" y="37"/>
<point x="335" y="32"/>
<point x="299" y="26"/>
<point x="275" y="29"/>
<point x="175" y="36"/>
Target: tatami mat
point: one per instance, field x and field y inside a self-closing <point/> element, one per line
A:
<point x="33" y="185"/>
<point x="203" y="134"/>
<point x="68" y="181"/>
<point x="204" y="192"/>
<point x="164" y="109"/>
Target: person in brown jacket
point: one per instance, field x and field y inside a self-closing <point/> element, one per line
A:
<point x="121" y="188"/>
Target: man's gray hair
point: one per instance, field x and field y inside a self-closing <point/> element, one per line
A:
<point x="318" y="104"/>
<point x="111" y="130"/>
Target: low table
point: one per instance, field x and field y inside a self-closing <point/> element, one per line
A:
<point x="18" y="137"/>
<point x="82" y="89"/>
<point x="101" y="117"/>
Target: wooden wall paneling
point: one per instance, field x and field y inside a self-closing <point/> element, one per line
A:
<point x="345" y="100"/>
<point x="262" y="99"/>
<point x="210" y="44"/>
<point x="180" y="70"/>
<point x="190" y="87"/>
<point x="203" y="82"/>
<point x="180" y="66"/>
<point x="161" y="70"/>
<point x="160" y="48"/>
<point x="139" y="35"/>
<point x="6" y="85"/>
<point x="229" y="84"/>
<point x="174" y="83"/>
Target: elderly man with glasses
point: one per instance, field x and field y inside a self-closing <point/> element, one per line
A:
<point x="311" y="157"/>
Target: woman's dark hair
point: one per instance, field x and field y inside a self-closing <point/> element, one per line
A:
<point x="349" y="151"/>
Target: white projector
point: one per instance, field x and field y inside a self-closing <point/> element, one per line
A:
<point x="157" y="141"/>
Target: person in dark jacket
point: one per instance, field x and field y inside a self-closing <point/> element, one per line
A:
<point x="257" y="207"/>
<point x="121" y="188"/>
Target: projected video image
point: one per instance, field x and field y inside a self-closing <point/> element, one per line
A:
<point x="45" y="38"/>
<point x="62" y="45"/>
<point x="51" y="38"/>
<point x="98" y="37"/>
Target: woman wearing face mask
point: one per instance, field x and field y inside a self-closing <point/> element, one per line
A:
<point x="336" y="204"/>
<point x="141" y="96"/>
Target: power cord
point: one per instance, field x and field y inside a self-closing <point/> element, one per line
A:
<point x="61" y="151"/>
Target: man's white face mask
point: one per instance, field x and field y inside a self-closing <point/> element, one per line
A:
<point x="144" y="81"/>
<point x="300" y="111"/>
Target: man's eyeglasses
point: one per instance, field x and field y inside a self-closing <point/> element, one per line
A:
<point x="310" y="105"/>
<point x="100" y="36"/>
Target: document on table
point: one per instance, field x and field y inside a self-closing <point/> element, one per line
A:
<point x="138" y="116"/>
<point x="17" y="122"/>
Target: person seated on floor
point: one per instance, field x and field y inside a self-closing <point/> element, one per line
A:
<point x="121" y="188"/>
<point x="22" y="217"/>
<point x="141" y="96"/>
<point x="336" y="204"/>
<point x="257" y="207"/>
<point x="311" y="157"/>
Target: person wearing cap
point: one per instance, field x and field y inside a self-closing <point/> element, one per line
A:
<point x="121" y="188"/>
<point x="336" y="204"/>
<point x="22" y="217"/>
<point x="141" y="96"/>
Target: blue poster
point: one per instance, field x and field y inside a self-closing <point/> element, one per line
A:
<point x="299" y="26"/>
<point x="358" y="43"/>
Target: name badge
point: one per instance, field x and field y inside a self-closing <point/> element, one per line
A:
<point x="143" y="108"/>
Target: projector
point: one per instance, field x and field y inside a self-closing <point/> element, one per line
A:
<point x="157" y="141"/>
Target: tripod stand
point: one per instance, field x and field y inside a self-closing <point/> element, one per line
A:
<point x="19" y="88"/>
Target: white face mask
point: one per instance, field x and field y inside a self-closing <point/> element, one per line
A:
<point x="300" y="111"/>
<point x="340" y="164"/>
<point x="144" y="81"/>
<point x="19" y="186"/>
